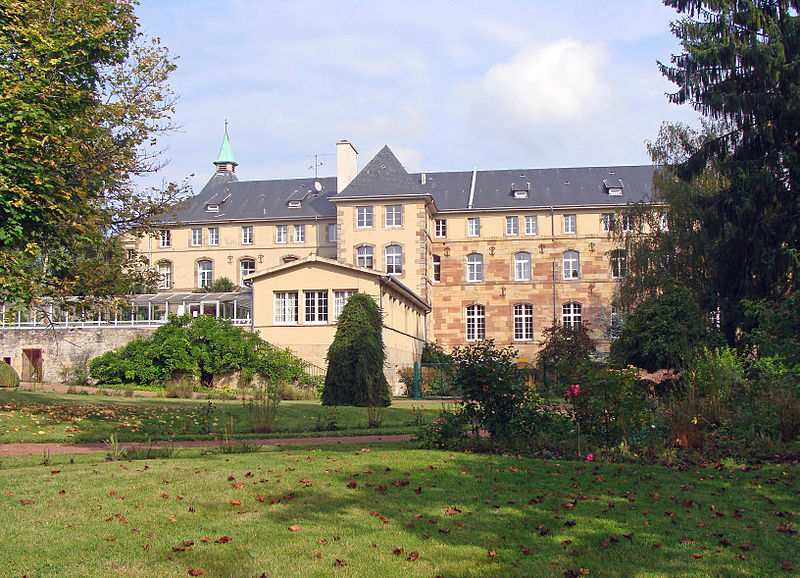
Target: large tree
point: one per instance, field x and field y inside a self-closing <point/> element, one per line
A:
<point x="83" y="100"/>
<point x="740" y="68"/>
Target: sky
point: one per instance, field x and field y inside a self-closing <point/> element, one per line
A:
<point x="449" y="86"/>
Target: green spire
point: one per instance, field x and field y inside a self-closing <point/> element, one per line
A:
<point x="225" y="152"/>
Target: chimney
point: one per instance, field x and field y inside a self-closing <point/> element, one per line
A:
<point x="346" y="164"/>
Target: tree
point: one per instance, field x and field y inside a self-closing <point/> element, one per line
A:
<point x="356" y="357"/>
<point x="83" y="100"/>
<point x="740" y="68"/>
<point x="564" y="348"/>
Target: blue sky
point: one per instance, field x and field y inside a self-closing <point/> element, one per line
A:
<point x="448" y="86"/>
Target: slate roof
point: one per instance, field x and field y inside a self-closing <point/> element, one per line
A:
<point x="384" y="176"/>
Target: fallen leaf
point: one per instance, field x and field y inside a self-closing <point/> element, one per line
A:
<point x="414" y="555"/>
<point x="193" y="572"/>
<point x="339" y="563"/>
<point x="236" y="503"/>
<point x="294" y="528"/>
<point x="398" y="551"/>
<point x="492" y="553"/>
<point x="747" y="547"/>
<point x="27" y="502"/>
<point x="223" y="540"/>
<point x="787" y="565"/>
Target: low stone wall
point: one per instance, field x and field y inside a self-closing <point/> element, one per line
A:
<point x="61" y="347"/>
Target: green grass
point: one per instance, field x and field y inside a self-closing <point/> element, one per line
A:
<point x="94" y="518"/>
<point x="48" y="417"/>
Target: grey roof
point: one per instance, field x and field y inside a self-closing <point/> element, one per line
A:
<point x="384" y="176"/>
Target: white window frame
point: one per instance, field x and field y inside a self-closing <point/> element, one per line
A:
<point x="571" y="264"/>
<point x="393" y="215"/>
<point x="242" y="270"/>
<point x="474" y="268"/>
<point x="619" y="263"/>
<point x="473" y="226"/>
<point x="436" y="266"/>
<point x="205" y="275"/>
<point x="281" y="234"/>
<point x="607" y="222"/>
<point x="165" y="238"/>
<point x="340" y="297"/>
<point x="522" y="266"/>
<point x="247" y="235"/>
<point x="440" y="228"/>
<point x="331" y="232"/>
<point x="571" y="314"/>
<point x="627" y="224"/>
<point x="165" y="275"/>
<point x="531" y="225"/>
<point x="197" y="237"/>
<point x="570" y="224"/>
<point x="213" y="236"/>
<point x="364" y="217"/>
<point x="285" y="308"/>
<point x="523" y="322"/>
<point x="315" y="306"/>
<point x="394" y="260"/>
<point x="365" y="256"/>
<point x="663" y="222"/>
<point x="299" y="233"/>
<point x="512" y="226"/>
<point x="476" y="322"/>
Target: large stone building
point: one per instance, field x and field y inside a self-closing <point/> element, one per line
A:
<point x="451" y="257"/>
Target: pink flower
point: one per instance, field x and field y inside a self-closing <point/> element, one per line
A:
<point x="589" y="458"/>
<point x="574" y="390"/>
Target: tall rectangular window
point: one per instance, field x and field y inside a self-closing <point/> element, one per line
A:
<point x="512" y="226"/>
<point x="164" y="238"/>
<point x="394" y="215"/>
<point x="473" y="227"/>
<point x="281" y="233"/>
<point x="213" y="235"/>
<point x="522" y="266"/>
<point x="437" y="268"/>
<point x="476" y="323"/>
<point x="205" y="274"/>
<point x="247" y="235"/>
<point x="571" y="264"/>
<point x="165" y="275"/>
<point x="364" y="256"/>
<point x="571" y="314"/>
<point x="286" y="307"/>
<point x="440" y="228"/>
<point x="340" y="297"/>
<point x="627" y="223"/>
<point x="619" y="263"/>
<point x="531" y="225"/>
<point x="197" y="237"/>
<point x="570" y="224"/>
<point x="246" y="267"/>
<point x="394" y="260"/>
<point x="363" y="217"/>
<point x="607" y="222"/>
<point x="316" y="306"/>
<point x="523" y="322"/>
<point x="474" y="268"/>
<point x="331" y="232"/>
<point x="299" y="233"/>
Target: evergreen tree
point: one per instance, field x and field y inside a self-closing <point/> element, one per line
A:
<point x="356" y="357"/>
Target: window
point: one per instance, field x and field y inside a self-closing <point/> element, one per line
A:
<point x="571" y="314"/>
<point x="394" y="215"/>
<point x="512" y="225"/>
<point x="474" y="227"/>
<point x="531" y="225"/>
<point x="165" y="275"/>
<point x="522" y="266"/>
<point x="316" y="310"/>
<point x="607" y="222"/>
<point x="476" y="323"/>
<point x="437" y="268"/>
<point x="246" y="267"/>
<point x="286" y="307"/>
<point x="299" y="233"/>
<point x="213" y="235"/>
<point x="247" y="235"/>
<point x="627" y="224"/>
<point x="523" y="322"/>
<point x="570" y="226"/>
<point x="364" y="256"/>
<point x="340" y="297"/>
<point x="363" y="217"/>
<point x="664" y="222"/>
<point x="197" y="237"/>
<point x="281" y="233"/>
<point x="331" y="232"/>
<point x="165" y="238"/>
<point x="211" y="208"/>
<point x="394" y="260"/>
<point x="440" y="228"/>
<point x="205" y="274"/>
<point x="474" y="268"/>
<point x="571" y="262"/>
<point x="619" y="263"/>
<point x="130" y="254"/>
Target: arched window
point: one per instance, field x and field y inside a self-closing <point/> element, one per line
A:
<point x="571" y="261"/>
<point x="394" y="260"/>
<point x="246" y="267"/>
<point x="619" y="263"/>
<point x="474" y="268"/>
<point x="165" y="275"/>
<point x="205" y="273"/>
<point x="571" y="314"/>
<point x="364" y="256"/>
<point x="522" y="266"/>
<point x="523" y="322"/>
<point x="476" y="322"/>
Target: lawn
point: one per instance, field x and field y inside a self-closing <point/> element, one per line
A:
<point x="48" y="417"/>
<point x="391" y="510"/>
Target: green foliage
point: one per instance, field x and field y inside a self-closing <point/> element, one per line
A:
<point x="8" y="376"/>
<point x="435" y="353"/>
<point x="491" y="385"/>
<point x="777" y="328"/>
<point x="77" y="372"/>
<point x="262" y="401"/>
<point x="356" y="357"/>
<point x="564" y="348"/>
<point x="219" y="285"/>
<point x="662" y="332"/>
<point x="445" y="431"/>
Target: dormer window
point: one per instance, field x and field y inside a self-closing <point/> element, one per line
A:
<point x="520" y="191"/>
<point x="613" y="189"/>
<point x="295" y="204"/>
<point x="212" y="208"/>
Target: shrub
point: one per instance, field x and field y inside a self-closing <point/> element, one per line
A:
<point x="77" y="372"/>
<point x="770" y="404"/>
<point x="262" y="404"/>
<point x="564" y="349"/>
<point x="445" y="431"/>
<point x="181" y="387"/>
<point x="8" y="376"/>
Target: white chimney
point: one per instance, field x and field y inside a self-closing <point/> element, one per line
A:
<point x="346" y="164"/>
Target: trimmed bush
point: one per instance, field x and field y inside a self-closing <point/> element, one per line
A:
<point x="8" y="376"/>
